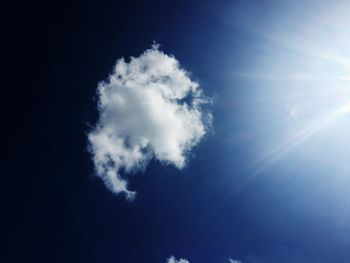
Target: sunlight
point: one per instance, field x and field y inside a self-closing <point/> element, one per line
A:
<point x="307" y="63"/>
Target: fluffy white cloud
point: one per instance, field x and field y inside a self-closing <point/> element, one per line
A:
<point x="171" y="259"/>
<point x="148" y="108"/>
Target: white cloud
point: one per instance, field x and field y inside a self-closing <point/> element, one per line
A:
<point x="292" y="111"/>
<point x="234" y="261"/>
<point x="148" y="108"/>
<point x="171" y="259"/>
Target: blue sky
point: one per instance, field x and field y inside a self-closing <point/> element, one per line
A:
<point x="255" y="170"/>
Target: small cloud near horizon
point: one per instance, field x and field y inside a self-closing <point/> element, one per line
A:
<point x="234" y="261"/>
<point x="172" y="259"/>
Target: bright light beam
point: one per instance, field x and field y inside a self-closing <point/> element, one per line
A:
<point x="309" y="59"/>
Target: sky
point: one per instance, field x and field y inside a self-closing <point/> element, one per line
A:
<point x="176" y="131"/>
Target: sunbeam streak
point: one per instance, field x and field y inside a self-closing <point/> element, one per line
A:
<point x="273" y="155"/>
<point x="305" y="60"/>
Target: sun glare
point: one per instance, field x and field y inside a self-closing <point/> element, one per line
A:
<point x="307" y="57"/>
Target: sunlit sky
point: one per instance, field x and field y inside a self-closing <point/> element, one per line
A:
<point x="303" y="67"/>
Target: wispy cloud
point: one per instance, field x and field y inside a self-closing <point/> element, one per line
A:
<point x="148" y="108"/>
<point x="171" y="259"/>
<point x="234" y="261"/>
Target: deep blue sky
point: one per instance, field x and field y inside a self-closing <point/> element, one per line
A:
<point x="227" y="203"/>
